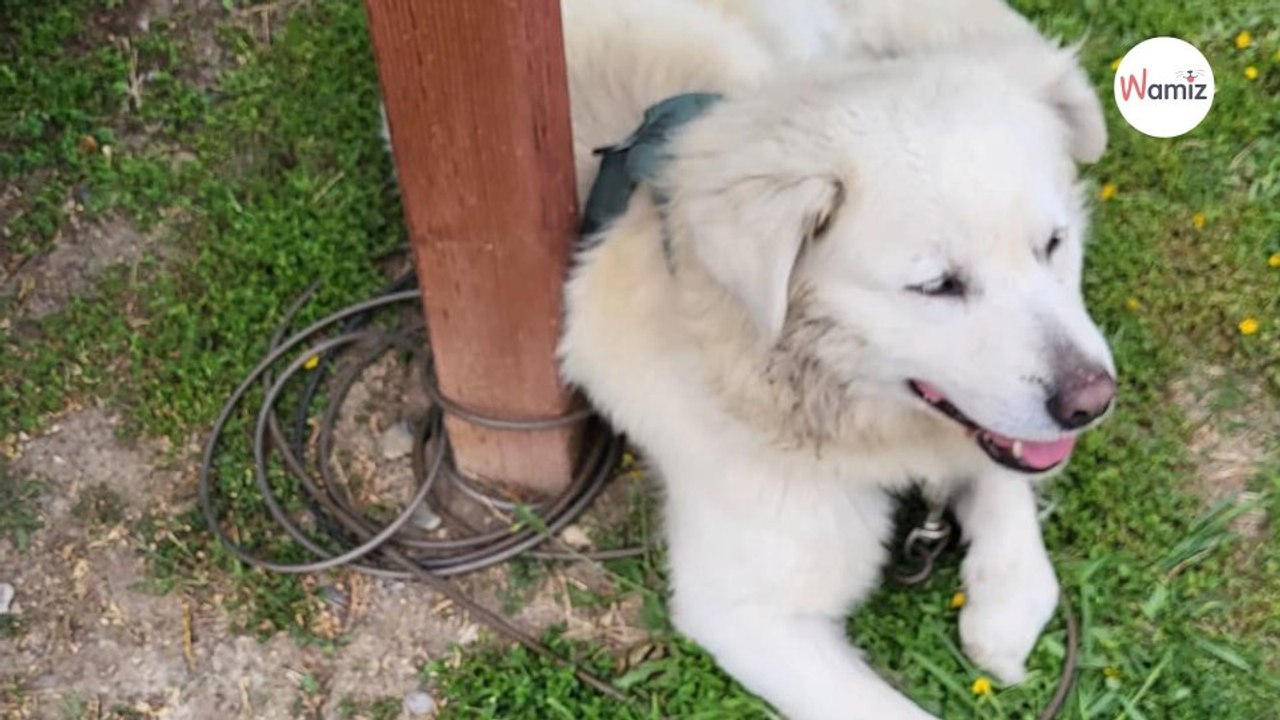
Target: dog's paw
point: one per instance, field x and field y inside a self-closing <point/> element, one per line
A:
<point x="1008" y="605"/>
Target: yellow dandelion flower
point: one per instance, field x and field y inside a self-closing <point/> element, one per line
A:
<point x="1251" y="73"/>
<point x="1198" y="220"/>
<point x="981" y="686"/>
<point x="1115" y="64"/>
<point x="1132" y="304"/>
<point x="1107" y="191"/>
<point x="1244" y="39"/>
<point x="1274" y="260"/>
<point x="1248" y="326"/>
<point x="312" y="362"/>
<point x="957" y="600"/>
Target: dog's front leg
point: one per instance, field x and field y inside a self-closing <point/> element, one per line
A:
<point x="1009" y="580"/>
<point x="801" y="663"/>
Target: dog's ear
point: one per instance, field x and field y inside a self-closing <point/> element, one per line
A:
<point x="750" y="233"/>
<point x="1068" y="91"/>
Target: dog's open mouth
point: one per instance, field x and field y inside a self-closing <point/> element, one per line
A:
<point x="1028" y="456"/>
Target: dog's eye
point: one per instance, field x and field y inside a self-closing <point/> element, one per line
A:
<point x="1054" y="242"/>
<point x="946" y="285"/>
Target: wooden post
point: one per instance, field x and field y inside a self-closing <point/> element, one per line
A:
<point x="477" y="100"/>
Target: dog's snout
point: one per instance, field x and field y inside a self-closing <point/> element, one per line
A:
<point x="1082" y="397"/>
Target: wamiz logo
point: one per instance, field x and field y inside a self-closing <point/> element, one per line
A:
<point x="1186" y="89"/>
<point x="1164" y="87"/>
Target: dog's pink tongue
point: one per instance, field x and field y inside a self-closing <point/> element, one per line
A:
<point x="1041" y="455"/>
<point x="1044" y="455"/>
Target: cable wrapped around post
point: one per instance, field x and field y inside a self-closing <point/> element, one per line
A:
<point x="394" y="549"/>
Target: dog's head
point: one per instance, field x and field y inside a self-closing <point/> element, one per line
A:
<point x="927" y="212"/>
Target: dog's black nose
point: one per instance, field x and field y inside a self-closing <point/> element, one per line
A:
<point x="1082" y="397"/>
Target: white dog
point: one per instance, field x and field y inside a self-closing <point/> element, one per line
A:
<point x="858" y="270"/>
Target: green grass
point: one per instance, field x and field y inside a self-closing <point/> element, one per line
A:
<point x="67" y="89"/>
<point x="11" y="627"/>
<point x="19" y="511"/>
<point x="288" y="184"/>
<point x="499" y="684"/>
<point x="384" y="708"/>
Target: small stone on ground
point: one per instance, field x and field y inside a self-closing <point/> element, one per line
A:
<point x="397" y="441"/>
<point x="6" y="598"/>
<point x="419" y="704"/>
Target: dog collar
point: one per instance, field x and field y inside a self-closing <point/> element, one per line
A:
<point x="637" y="159"/>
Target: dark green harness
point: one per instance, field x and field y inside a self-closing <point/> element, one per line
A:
<point x="635" y="160"/>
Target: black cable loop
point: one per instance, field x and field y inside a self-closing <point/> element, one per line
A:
<point x="391" y="549"/>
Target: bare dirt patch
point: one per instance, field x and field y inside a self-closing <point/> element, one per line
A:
<point x="80" y="252"/>
<point x="1234" y="431"/>
<point x="387" y="398"/>
<point x="95" y="639"/>
<point x="196" y="23"/>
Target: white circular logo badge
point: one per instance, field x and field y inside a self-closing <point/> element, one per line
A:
<point x="1164" y="87"/>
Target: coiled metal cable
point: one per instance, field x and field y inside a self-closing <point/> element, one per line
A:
<point x="394" y="549"/>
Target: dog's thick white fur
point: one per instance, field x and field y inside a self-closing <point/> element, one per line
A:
<point x="871" y="205"/>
